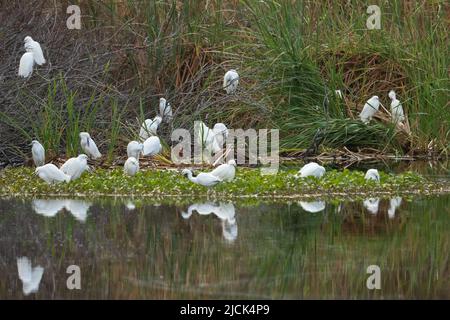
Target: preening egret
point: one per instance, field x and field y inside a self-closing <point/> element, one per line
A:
<point x="203" y="178"/>
<point x="372" y="205"/>
<point x="74" y="167"/>
<point x="226" y="171"/>
<point x="396" y="108"/>
<point x="394" y="203"/>
<point x="30" y="277"/>
<point x="312" y="206"/>
<point x="47" y="208"/>
<point x="149" y="127"/>
<point x="369" y="109"/>
<point x="152" y="146"/>
<point x="35" y="48"/>
<point x="89" y="147"/>
<point x="134" y="149"/>
<point x="51" y="174"/>
<point x="131" y="166"/>
<point x="165" y="110"/>
<point x="372" y="174"/>
<point x="311" y="169"/>
<point x="207" y="138"/>
<point x="78" y="208"/>
<point x="26" y="65"/>
<point x="230" y="81"/>
<point x="221" y="133"/>
<point x="38" y="153"/>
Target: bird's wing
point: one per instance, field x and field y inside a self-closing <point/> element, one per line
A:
<point x="26" y="65"/>
<point x="37" y="53"/>
<point x="24" y="269"/>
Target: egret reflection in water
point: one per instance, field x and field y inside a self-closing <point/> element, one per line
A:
<point x="372" y="205"/>
<point x="312" y="206"/>
<point x="30" y="277"/>
<point x="50" y="207"/>
<point x="394" y="204"/>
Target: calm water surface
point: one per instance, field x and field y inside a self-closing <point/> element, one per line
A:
<point x="136" y="249"/>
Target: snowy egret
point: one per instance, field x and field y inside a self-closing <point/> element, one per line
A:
<point x="312" y="206"/>
<point x="396" y="108"/>
<point x="372" y="205"/>
<point x="30" y="277"/>
<point x="89" y="147"/>
<point x="221" y="133"/>
<point x="35" y="48"/>
<point x="78" y="208"/>
<point x="311" y="169"/>
<point x="230" y="81"/>
<point x="207" y="138"/>
<point x="149" y="127"/>
<point x="38" y="153"/>
<point x="394" y="204"/>
<point x="226" y="171"/>
<point x="369" y="109"/>
<point x="152" y="146"/>
<point x="131" y="166"/>
<point x="203" y="178"/>
<point x="165" y="110"/>
<point x="26" y="65"/>
<point x="51" y="174"/>
<point x="74" y="167"/>
<point x="134" y="148"/>
<point x="372" y="174"/>
<point x="47" y="208"/>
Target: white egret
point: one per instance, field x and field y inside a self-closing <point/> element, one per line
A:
<point x="312" y="206"/>
<point x="311" y="169"/>
<point x="51" y="174"/>
<point x="152" y="146"/>
<point x="396" y="108"/>
<point x="372" y="174"/>
<point x="230" y="81"/>
<point x="38" y="153"/>
<point x="30" y="277"/>
<point x="47" y="208"/>
<point x="165" y="110"/>
<point x="26" y="65"/>
<point x="394" y="204"/>
<point x="149" y="127"/>
<point x="134" y="149"/>
<point x="203" y="178"/>
<point x="78" y="208"/>
<point x="226" y="171"/>
<point x="35" y="48"/>
<point x="221" y="133"/>
<point x="369" y="109"/>
<point x="372" y="205"/>
<point x="131" y="166"/>
<point x="74" y="167"/>
<point x="89" y="147"/>
<point x="207" y="138"/>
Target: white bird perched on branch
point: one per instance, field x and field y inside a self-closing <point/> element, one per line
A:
<point x="165" y="110"/>
<point x="149" y="127"/>
<point x="88" y="145"/>
<point x="74" y="167"/>
<point x="51" y="174"/>
<point x="396" y="108"/>
<point x="134" y="149"/>
<point x="203" y="178"/>
<point x="152" y="146"/>
<point x="311" y="169"/>
<point x="230" y="81"/>
<point x="30" y="277"/>
<point x="369" y="109"/>
<point x="226" y="171"/>
<point x="221" y="133"/>
<point x="26" y="65"/>
<point x="38" y="153"/>
<point x="35" y="48"/>
<point x="372" y="174"/>
<point x="131" y="166"/>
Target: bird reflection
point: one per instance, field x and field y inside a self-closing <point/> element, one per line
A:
<point x="130" y="205"/>
<point x="224" y="211"/>
<point x="372" y="205"/>
<point x="312" y="206"/>
<point x="49" y="208"/>
<point x="394" y="204"/>
<point x="30" y="277"/>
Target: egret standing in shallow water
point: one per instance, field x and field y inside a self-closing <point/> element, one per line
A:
<point x="74" y="167"/>
<point x="131" y="166"/>
<point x="396" y="108"/>
<point x="38" y="153"/>
<point x="311" y="169"/>
<point x="88" y="145"/>
<point x="26" y="65"/>
<point x="230" y="81"/>
<point x="203" y="178"/>
<point x="149" y="127"/>
<point x="369" y="110"/>
<point x="134" y="149"/>
<point x="372" y="174"/>
<point x="165" y="110"/>
<point x="226" y="171"/>
<point x="51" y="174"/>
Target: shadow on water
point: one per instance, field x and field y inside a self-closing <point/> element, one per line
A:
<point x="132" y="248"/>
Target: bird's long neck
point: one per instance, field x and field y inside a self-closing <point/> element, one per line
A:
<point x="190" y="177"/>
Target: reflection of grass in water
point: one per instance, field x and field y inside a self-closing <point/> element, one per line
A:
<point x="280" y="252"/>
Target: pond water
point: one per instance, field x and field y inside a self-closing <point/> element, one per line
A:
<point x="138" y="249"/>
